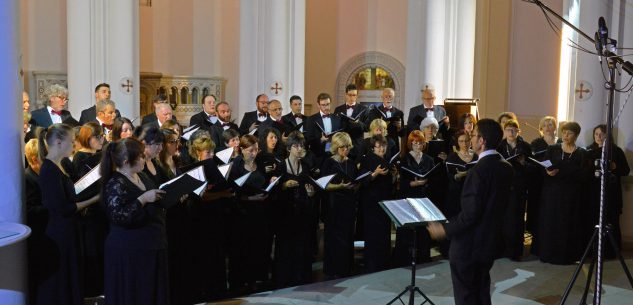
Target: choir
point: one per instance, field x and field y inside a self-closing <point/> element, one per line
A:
<point x="255" y="224"/>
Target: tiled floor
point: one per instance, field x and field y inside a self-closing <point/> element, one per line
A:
<point x="526" y="282"/>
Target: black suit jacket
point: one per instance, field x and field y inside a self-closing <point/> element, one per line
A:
<point x="281" y="126"/>
<point x="42" y="118"/>
<point x="248" y="119"/>
<point x="475" y="233"/>
<point x="201" y="119"/>
<point x="216" y="134"/>
<point x="355" y="130"/>
<point x="90" y="114"/>
<point x="313" y="133"/>
<point x="289" y="119"/>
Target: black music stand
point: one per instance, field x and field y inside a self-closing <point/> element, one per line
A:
<point x="412" y="288"/>
<point x="412" y="213"/>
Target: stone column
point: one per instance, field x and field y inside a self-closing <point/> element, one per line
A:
<point x="103" y="47"/>
<point x="13" y="274"/>
<point x="272" y="51"/>
<point x="440" y="49"/>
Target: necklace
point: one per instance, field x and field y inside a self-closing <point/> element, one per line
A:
<point x="562" y="152"/>
<point x="466" y="156"/>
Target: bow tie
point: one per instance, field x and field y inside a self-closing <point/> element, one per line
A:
<point x="350" y="107"/>
<point x="325" y="116"/>
<point x="226" y="124"/>
<point x="298" y="115"/>
<point x="59" y="113"/>
<point x="388" y="109"/>
<point x="428" y="109"/>
<point x="106" y="126"/>
<point x="261" y="115"/>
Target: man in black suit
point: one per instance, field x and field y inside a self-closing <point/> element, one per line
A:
<point x="353" y="116"/>
<point x="389" y="113"/>
<point x="102" y="92"/>
<point x="252" y="119"/>
<point x="319" y="129"/>
<point x="207" y="117"/>
<point x="163" y="113"/>
<point x="151" y="118"/>
<point x="223" y="110"/>
<point x="54" y="112"/>
<point x="427" y="109"/>
<point x="475" y="233"/>
<point x="295" y="117"/>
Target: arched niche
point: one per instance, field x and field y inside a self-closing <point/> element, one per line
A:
<point x="184" y="95"/>
<point x="195" y="99"/>
<point x="375" y="67"/>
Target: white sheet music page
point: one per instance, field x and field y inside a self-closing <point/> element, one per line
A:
<point x="88" y="179"/>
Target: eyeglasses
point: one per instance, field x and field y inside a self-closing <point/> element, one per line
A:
<point x="99" y="137"/>
<point x="63" y="98"/>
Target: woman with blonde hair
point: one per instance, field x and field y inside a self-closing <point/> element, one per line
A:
<point x="60" y="282"/>
<point x="340" y="205"/>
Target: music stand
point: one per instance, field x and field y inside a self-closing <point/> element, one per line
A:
<point x="412" y="213"/>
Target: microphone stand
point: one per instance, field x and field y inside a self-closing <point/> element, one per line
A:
<point x="602" y="230"/>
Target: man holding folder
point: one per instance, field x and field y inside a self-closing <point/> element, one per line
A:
<point x="475" y="233"/>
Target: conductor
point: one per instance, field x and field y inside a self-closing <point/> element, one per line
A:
<point x="475" y="232"/>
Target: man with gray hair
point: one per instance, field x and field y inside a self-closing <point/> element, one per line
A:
<point x="157" y="100"/>
<point x="106" y="113"/>
<point x="54" y="112"/>
<point x="163" y="113"/>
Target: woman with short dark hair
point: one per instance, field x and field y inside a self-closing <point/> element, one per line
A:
<point x="560" y="238"/>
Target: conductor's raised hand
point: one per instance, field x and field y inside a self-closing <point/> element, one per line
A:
<point x="436" y="230"/>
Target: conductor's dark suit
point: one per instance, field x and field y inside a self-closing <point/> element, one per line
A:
<point x="475" y="233"/>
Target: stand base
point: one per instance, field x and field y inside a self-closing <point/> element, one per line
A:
<point x="412" y="290"/>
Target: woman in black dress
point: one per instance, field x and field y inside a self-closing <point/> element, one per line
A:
<point x="249" y="257"/>
<point x="517" y="152"/>
<point x="378" y="127"/>
<point x="93" y="221"/>
<point x="613" y="206"/>
<point x="414" y="159"/>
<point x="375" y="188"/>
<point x="457" y="168"/>
<point x="536" y="173"/>
<point x="60" y="282"/>
<point x="559" y="239"/>
<point x="294" y="211"/>
<point x="36" y="216"/>
<point x="208" y="226"/>
<point x="342" y="199"/>
<point x="136" y="247"/>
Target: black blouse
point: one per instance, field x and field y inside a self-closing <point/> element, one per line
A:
<point x="133" y="226"/>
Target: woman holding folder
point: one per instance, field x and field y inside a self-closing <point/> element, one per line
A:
<point x="457" y="164"/>
<point x="413" y="159"/>
<point x="341" y="201"/>
<point x="93" y="221"/>
<point x="294" y="211"/>
<point x="559" y="239"/>
<point x="375" y="188"/>
<point x="60" y="278"/>
<point x="136" y="248"/>
<point x="516" y="151"/>
<point x="250" y="246"/>
<point x="536" y="173"/>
